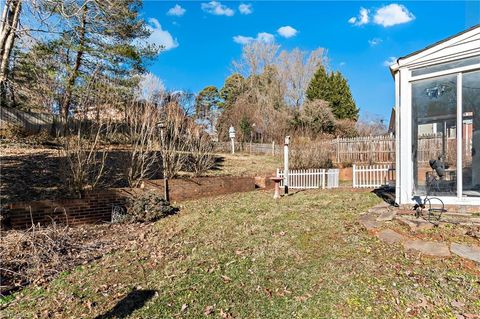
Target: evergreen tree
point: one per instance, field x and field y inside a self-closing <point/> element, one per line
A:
<point x="334" y="89"/>
<point x="206" y="101"/>
<point x="340" y="98"/>
<point x="232" y="88"/>
<point x="319" y="85"/>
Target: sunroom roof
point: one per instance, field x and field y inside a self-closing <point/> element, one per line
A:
<point x="434" y="48"/>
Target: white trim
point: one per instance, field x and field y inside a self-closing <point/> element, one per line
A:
<point x="469" y="68"/>
<point x="451" y="200"/>
<point x="438" y="47"/>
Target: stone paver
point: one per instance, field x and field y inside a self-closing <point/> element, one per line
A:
<point x="391" y="237"/>
<point x="368" y="221"/>
<point x="464" y="251"/>
<point x="430" y="248"/>
<point x="386" y="216"/>
<point x="416" y="224"/>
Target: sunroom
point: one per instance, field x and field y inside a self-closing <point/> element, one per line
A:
<point x="437" y="124"/>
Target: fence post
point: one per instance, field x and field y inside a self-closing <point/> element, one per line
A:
<point x="338" y="150"/>
<point x="323" y="179"/>
<point x="354" y="173"/>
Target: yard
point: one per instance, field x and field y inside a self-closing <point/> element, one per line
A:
<point x="246" y="256"/>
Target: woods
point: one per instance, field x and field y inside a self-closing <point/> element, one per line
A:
<point x="63" y="49"/>
<point x="272" y="93"/>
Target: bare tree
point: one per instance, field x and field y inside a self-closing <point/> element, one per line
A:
<point x="296" y="69"/>
<point x="8" y="28"/>
<point x="256" y="56"/>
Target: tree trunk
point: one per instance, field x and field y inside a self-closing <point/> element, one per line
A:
<point x="8" y="28"/>
<point x="76" y="67"/>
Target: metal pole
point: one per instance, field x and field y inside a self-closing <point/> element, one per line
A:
<point x="233" y="145"/>
<point x="285" y="161"/>
<point x="165" y="179"/>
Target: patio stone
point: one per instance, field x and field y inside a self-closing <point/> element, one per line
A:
<point x="430" y="248"/>
<point x="368" y="221"/>
<point x="386" y="216"/>
<point x="391" y="237"/>
<point x="416" y="224"/>
<point x="467" y="252"/>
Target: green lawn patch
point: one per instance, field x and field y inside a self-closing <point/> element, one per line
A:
<point x="247" y="256"/>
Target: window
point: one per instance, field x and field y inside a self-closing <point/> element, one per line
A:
<point x="446" y="66"/>
<point x="434" y="111"/>
<point x="471" y="133"/>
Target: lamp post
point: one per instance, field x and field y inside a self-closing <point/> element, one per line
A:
<point x="161" y="126"/>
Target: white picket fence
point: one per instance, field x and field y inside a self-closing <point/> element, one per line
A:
<point x="311" y="178"/>
<point x="372" y="176"/>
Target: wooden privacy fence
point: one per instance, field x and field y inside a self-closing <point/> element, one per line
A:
<point x="31" y="122"/>
<point x="357" y="150"/>
<point x="372" y="176"/>
<point x="311" y="178"/>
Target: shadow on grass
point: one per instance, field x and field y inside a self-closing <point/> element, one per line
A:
<point x="387" y="193"/>
<point x="131" y="302"/>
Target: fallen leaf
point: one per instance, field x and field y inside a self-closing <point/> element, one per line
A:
<point x="208" y="310"/>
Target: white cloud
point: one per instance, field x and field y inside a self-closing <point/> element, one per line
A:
<point x="261" y="37"/>
<point x="375" y="41"/>
<point x="245" y="8"/>
<point x="391" y="60"/>
<point x="392" y="14"/>
<point x="177" y="11"/>
<point x="287" y="31"/>
<point x="216" y="8"/>
<point x="343" y="63"/>
<point x="361" y="19"/>
<point x="160" y="36"/>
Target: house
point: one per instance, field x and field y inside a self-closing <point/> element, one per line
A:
<point x="437" y="121"/>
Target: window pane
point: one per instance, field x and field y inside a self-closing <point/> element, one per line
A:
<point x="434" y="111"/>
<point x="471" y="133"/>
<point x="446" y="66"/>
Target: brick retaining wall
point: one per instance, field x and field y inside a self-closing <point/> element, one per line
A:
<point x="96" y="207"/>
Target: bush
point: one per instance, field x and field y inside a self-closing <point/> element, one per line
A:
<point x="10" y="131"/>
<point x="306" y="155"/>
<point x="148" y="207"/>
<point x="201" y="157"/>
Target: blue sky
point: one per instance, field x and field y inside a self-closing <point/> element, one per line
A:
<point x="199" y="36"/>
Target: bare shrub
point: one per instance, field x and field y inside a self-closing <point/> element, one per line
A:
<point x="345" y="128"/>
<point x="30" y="255"/>
<point x="305" y="154"/>
<point x="174" y="139"/>
<point x="85" y="157"/>
<point x="201" y="151"/>
<point x="318" y="117"/>
<point x="142" y="138"/>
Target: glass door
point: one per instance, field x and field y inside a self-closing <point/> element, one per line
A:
<point x="471" y="134"/>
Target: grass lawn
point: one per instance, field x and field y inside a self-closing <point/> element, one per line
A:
<point x="244" y="164"/>
<point x="245" y="256"/>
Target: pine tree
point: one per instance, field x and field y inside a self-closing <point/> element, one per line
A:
<point x="318" y="88"/>
<point x="334" y="89"/>
<point x="340" y="98"/>
<point x="232" y="88"/>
